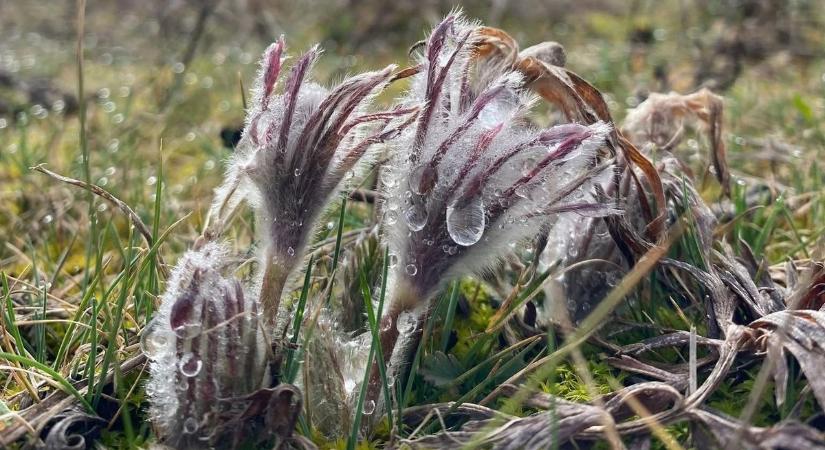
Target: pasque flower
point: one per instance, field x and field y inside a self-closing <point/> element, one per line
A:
<point x="297" y="148"/>
<point x="473" y="175"/>
<point x="208" y="353"/>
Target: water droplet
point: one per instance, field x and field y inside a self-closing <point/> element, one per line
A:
<point x="423" y="179"/>
<point x="411" y="270"/>
<point x="416" y="216"/>
<point x="393" y="260"/>
<point x="154" y="340"/>
<point x="190" y="365"/>
<point x="40" y="112"/>
<point x="693" y="144"/>
<point x="190" y="425"/>
<point x="524" y="192"/>
<point x="406" y="322"/>
<point x="297" y="172"/>
<point x="188" y="330"/>
<point x="388" y="178"/>
<point x="391" y="217"/>
<point x="466" y="221"/>
<point x="48" y="219"/>
<point x="369" y="407"/>
<point x="527" y="166"/>
<point x="114" y="145"/>
<point x="330" y="225"/>
<point x="290" y="251"/>
<point x="151" y="181"/>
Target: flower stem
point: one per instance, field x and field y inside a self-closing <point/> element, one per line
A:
<point x="405" y="299"/>
<point x="274" y="279"/>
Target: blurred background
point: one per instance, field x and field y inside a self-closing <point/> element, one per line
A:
<point x="173" y="71"/>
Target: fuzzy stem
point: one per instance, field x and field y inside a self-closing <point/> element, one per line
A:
<point x="275" y="275"/>
<point x="405" y="299"/>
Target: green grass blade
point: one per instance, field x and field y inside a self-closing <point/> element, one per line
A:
<point x="448" y="321"/>
<point x="373" y="322"/>
<point x="52" y="373"/>
<point x="291" y="369"/>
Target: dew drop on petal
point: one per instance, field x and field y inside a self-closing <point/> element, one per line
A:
<point x="369" y="407"/>
<point x="188" y="330"/>
<point x="411" y="270"/>
<point x="465" y="222"/>
<point x="190" y="365"/>
<point x="391" y="217"/>
<point x="523" y="192"/>
<point x="416" y="216"/>
<point x="190" y="425"/>
<point x="153" y="341"/>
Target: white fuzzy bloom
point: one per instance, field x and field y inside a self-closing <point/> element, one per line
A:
<point x="297" y="148"/>
<point x="470" y="176"/>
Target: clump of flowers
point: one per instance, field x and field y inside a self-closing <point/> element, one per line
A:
<point x="207" y="352"/>
<point x="210" y="342"/>
<point x="297" y="148"/>
<point x="473" y="175"/>
<point x="468" y="176"/>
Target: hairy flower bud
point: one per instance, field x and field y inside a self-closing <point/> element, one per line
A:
<point x="207" y="353"/>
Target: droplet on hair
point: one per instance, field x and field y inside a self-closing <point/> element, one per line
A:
<point x="416" y="216"/>
<point x="369" y="407"/>
<point x="466" y="221"/>
<point x="190" y="365"/>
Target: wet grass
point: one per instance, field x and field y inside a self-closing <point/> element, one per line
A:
<point x="79" y="282"/>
